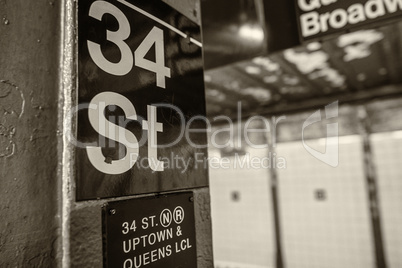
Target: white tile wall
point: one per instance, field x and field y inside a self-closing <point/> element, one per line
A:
<point x="387" y="150"/>
<point x="331" y="233"/>
<point x="243" y="231"/>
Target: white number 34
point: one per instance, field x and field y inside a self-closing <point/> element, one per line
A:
<point x="125" y="65"/>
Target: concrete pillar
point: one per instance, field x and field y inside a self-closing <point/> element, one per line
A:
<point x="42" y="224"/>
<point x="29" y="133"/>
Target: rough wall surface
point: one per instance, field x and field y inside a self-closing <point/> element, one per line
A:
<point x="29" y="182"/>
<point x="86" y="217"/>
<point x="29" y="41"/>
<point x="86" y="232"/>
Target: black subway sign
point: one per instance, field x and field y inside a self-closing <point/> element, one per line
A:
<point x="156" y="232"/>
<point x="141" y="100"/>
<point x="318" y="18"/>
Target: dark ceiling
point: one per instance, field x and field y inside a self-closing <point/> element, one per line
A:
<point x="273" y="73"/>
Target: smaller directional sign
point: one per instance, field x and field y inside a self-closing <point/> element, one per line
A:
<point x="156" y="232"/>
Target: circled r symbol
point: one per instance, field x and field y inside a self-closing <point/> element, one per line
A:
<point x="178" y="215"/>
<point x="166" y="217"/>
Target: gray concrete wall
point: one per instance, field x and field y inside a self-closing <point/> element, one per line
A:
<point x="41" y="223"/>
<point x="85" y="218"/>
<point x="29" y="68"/>
<point x="86" y="232"/>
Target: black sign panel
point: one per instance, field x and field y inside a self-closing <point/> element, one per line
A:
<point x="318" y="18"/>
<point x="140" y="90"/>
<point x="155" y="232"/>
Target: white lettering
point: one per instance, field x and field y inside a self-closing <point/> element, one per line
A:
<point x="324" y="21"/>
<point x="308" y="5"/>
<point x="153" y="128"/>
<point x="120" y="134"/>
<point x="152" y="239"/>
<point x="310" y="24"/>
<point x="145" y="258"/>
<point x="147" y="240"/>
<point x="356" y="14"/>
<point x="128" y="261"/>
<point x="98" y="122"/>
<point x="392" y="5"/>
<point x="183" y="245"/>
<point x="313" y="23"/>
<point x="374" y="9"/>
<point x="150" y="256"/>
<point x="136" y="241"/>
<point x="139" y="262"/>
<point x="339" y="18"/>
<point x="145" y="223"/>
<point x="153" y="255"/>
<point x="327" y="2"/>
<point x="124" y="246"/>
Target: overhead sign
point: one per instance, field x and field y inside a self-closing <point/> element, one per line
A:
<point x="141" y="100"/>
<point x="155" y="232"/>
<point x="318" y="18"/>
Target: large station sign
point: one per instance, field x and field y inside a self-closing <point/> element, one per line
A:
<point x="141" y="114"/>
<point x="156" y="232"/>
<point x="318" y="18"/>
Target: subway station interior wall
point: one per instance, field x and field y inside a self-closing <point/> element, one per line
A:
<point x="243" y="229"/>
<point x="387" y="148"/>
<point x="332" y="231"/>
<point x="29" y="65"/>
<point x="86" y="217"/>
